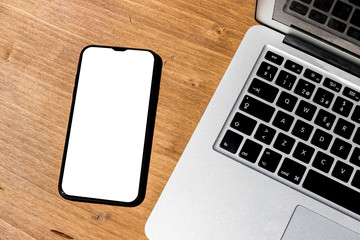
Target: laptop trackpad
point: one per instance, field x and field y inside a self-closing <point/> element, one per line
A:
<point x="306" y="224"/>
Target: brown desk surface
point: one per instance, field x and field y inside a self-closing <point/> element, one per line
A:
<point x="39" y="48"/>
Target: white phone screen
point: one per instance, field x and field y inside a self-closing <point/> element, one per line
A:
<point x="105" y="143"/>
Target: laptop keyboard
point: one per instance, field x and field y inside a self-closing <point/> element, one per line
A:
<point x="298" y="124"/>
<point x="339" y="17"/>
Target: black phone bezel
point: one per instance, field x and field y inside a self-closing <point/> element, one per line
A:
<point x="150" y="124"/>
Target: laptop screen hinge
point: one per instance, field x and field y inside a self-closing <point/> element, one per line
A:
<point x="323" y="55"/>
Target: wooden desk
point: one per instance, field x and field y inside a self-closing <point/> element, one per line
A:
<point x="39" y="48"/>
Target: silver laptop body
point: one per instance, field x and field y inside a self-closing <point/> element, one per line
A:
<point x="249" y="189"/>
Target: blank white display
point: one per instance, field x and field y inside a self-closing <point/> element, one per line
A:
<point x="105" y="146"/>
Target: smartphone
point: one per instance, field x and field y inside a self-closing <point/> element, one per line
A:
<point x="109" y="137"/>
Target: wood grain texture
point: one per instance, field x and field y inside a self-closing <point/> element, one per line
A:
<point x="40" y="45"/>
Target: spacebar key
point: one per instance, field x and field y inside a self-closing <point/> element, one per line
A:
<point x="333" y="191"/>
<point x="257" y="108"/>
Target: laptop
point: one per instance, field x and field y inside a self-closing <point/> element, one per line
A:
<point x="276" y="154"/>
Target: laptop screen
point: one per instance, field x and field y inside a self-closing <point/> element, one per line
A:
<point x="334" y="21"/>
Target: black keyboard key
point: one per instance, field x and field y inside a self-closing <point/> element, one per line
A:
<point x="285" y="80"/>
<point x="231" y="141"/>
<point x="355" y="157"/>
<point x="263" y="90"/>
<point x="325" y="119"/>
<point x="303" y="152"/>
<point x="264" y="134"/>
<point x="284" y="143"/>
<point x="321" y="139"/>
<point x="356" y="2"/>
<point x="344" y="128"/>
<point x="323" y="5"/>
<point x="299" y="8"/>
<point x="355" y="19"/>
<point x="356" y="180"/>
<point x="342" y="106"/>
<point x="250" y="151"/>
<point x="291" y="171"/>
<point x="331" y="84"/>
<point x="292" y="66"/>
<point x="317" y="16"/>
<point x="305" y="110"/>
<point x="356" y="114"/>
<point x="342" y="10"/>
<point x="256" y="108"/>
<point x="337" y="25"/>
<point x="273" y="57"/>
<point x="354" y="33"/>
<point x="323" y="162"/>
<point x="323" y="97"/>
<point x="340" y="148"/>
<point x="356" y="138"/>
<point x="286" y="101"/>
<point x="302" y="130"/>
<point x="267" y="71"/>
<point x="306" y="1"/>
<point x="243" y="123"/>
<point x="332" y="191"/>
<point x="350" y="93"/>
<point x="283" y="121"/>
<point x="342" y="171"/>
<point x="314" y="76"/>
<point x="269" y="160"/>
<point x="304" y="88"/>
